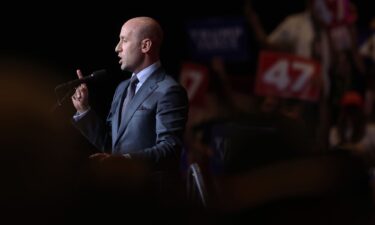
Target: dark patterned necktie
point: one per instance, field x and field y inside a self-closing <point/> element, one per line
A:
<point x="130" y="94"/>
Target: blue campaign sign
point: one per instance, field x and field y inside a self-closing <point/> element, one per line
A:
<point x="222" y="37"/>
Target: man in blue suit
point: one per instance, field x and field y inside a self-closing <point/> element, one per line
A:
<point x="150" y="125"/>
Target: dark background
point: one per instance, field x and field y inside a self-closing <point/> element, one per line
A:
<point x="41" y="46"/>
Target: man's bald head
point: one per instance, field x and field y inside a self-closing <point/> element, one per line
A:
<point x="146" y="27"/>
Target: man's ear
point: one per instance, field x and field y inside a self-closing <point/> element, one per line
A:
<point x="146" y="45"/>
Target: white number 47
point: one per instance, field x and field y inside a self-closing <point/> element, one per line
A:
<point x="279" y="76"/>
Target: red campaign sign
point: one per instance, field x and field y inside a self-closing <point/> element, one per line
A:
<point x="288" y="76"/>
<point x="194" y="77"/>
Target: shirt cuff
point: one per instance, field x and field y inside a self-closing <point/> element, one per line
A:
<point x="78" y="115"/>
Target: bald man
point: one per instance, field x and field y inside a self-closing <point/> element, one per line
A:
<point x="150" y="125"/>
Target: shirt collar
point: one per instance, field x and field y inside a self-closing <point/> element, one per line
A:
<point x="146" y="72"/>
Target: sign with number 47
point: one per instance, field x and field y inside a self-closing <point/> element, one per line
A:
<point x="289" y="76"/>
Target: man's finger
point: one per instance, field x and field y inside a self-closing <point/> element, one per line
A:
<point x="79" y="74"/>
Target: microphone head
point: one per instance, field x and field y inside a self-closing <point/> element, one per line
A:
<point x="99" y="73"/>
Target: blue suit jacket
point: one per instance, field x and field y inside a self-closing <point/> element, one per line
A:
<point x="153" y="125"/>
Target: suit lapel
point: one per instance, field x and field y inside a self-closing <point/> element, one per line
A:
<point x="146" y="90"/>
<point x="117" y="112"/>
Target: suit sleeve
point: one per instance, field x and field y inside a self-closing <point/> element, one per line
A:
<point x="95" y="129"/>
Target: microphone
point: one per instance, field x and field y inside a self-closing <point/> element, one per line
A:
<point x="94" y="76"/>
